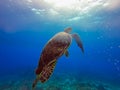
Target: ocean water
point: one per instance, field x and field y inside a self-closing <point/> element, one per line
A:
<point x="27" y="25"/>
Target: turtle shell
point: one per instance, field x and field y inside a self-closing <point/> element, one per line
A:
<point x="51" y="52"/>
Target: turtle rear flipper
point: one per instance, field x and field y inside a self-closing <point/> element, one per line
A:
<point x="47" y="71"/>
<point x="78" y="41"/>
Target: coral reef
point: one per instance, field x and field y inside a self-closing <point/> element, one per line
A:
<point x="56" y="82"/>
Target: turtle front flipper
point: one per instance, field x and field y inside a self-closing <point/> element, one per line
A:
<point x="66" y="53"/>
<point x="78" y="41"/>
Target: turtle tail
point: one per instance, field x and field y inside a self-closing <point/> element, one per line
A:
<point x="34" y="84"/>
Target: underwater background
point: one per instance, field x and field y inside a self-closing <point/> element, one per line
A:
<point x="27" y="25"/>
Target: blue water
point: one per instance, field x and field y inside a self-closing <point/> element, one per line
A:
<point x="24" y="32"/>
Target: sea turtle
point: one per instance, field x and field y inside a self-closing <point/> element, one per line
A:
<point x="55" y="47"/>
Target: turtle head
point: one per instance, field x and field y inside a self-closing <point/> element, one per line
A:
<point x="68" y="29"/>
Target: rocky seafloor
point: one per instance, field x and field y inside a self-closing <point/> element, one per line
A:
<point x="56" y="82"/>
